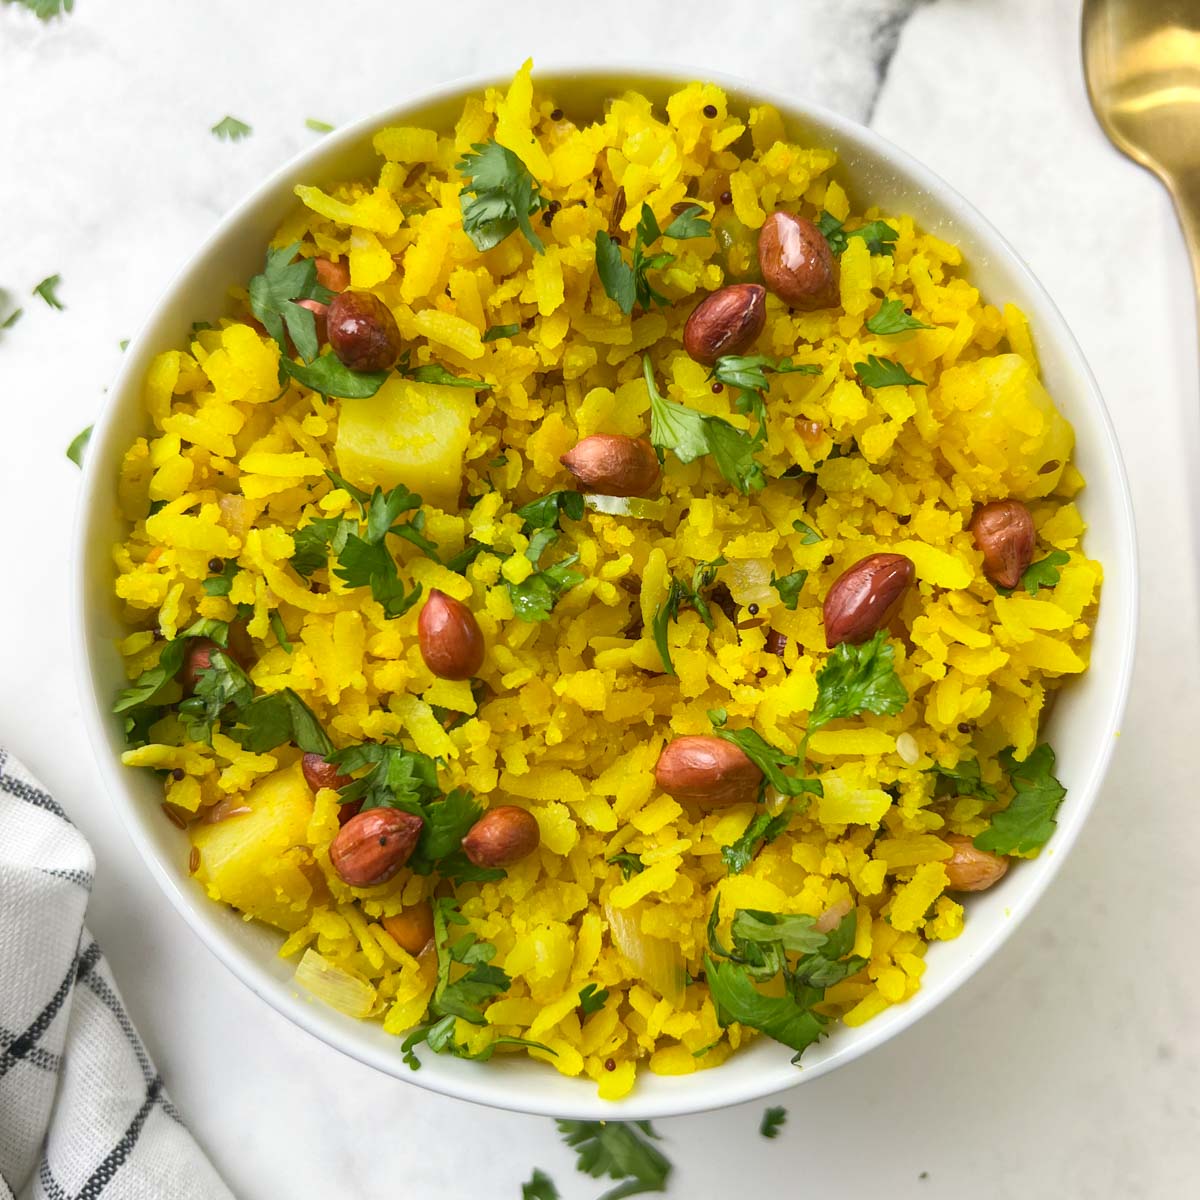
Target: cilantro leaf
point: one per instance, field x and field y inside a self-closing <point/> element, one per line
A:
<point x="45" y="9"/>
<point x="879" y="235"/>
<point x="12" y="318"/>
<point x="331" y="377"/>
<point x="318" y="126"/>
<point x="280" y="631"/>
<point x="627" y="284"/>
<point x="1043" y="573"/>
<point x="317" y="540"/>
<point x="749" y="371"/>
<point x="149" y="686"/>
<point x="535" y="597"/>
<point x="690" y="434"/>
<point x="220" y="685"/>
<point x="219" y="585"/>
<point x="630" y="864"/>
<point x="283" y="280"/>
<point x="772" y="1122"/>
<point x="503" y="196"/>
<point x="858" y="679"/>
<point x="688" y="224"/>
<point x="620" y="1151"/>
<point x="271" y="720"/>
<point x="616" y="276"/>
<point x="544" y="513"/>
<point x="496" y="332"/>
<point x="79" y="444"/>
<point x="446" y="824"/>
<point x="761" y="831"/>
<point x="398" y="777"/>
<point x="465" y="996"/>
<point x="780" y="1017"/>
<point x="964" y="779"/>
<point x="811" y="536"/>
<point x="435" y="373"/>
<point x="788" y="587"/>
<point x="883" y="372"/>
<point x="592" y="998"/>
<point x="892" y="317"/>
<point x="539" y="1187"/>
<point x="48" y="290"/>
<point x="770" y="761"/>
<point x="1028" y="822"/>
<point x="680" y="593"/>
<point x="230" y="129"/>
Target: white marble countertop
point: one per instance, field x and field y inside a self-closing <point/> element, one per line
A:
<point x="1070" y="1066"/>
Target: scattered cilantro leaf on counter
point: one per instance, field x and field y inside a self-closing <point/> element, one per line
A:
<point x="502" y="193"/>
<point x="283" y="280"/>
<point x="220" y="685"/>
<point x="811" y="536"/>
<point x="690" y="434"/>
<point x="680" y="593"/>
<point x="1044" y="572"/>
<point x="892" y="317"/>
<point x="331" y="377"/>
<point x="770" y="760"/>
<point x="544" y="512"/>
<point x="48" y="290"/>
<point x="621" y="1151"/>
<point x="788" y="587"/>
<point x="879" y="372"/>
<point x="964" y="779"/>
<point x="124" y="343"/>
<point x="630" y="864"/>
<point x="858" y="679"/>
<point x="627" y="284"/>
<point x="280" y="631"/>
<point x="45" y="9"/>
<point x="230" y="129"/>
<point x="79" y="444"/>
<point x="12" y="318"/>
<point x="271" y="720"/>
<point x="435" y="373"/>
<point x="496" y="332"/>
<point x="592" y="998"/>
<point x="762" y="830"/>
<point x="879" y="235"/>
<point x="318" y="126"/>
<point x="1028" y="821"/>
<point x="219" y="585"/>
<point x="773" y="1120"/>
<point x="539" y="1187"/>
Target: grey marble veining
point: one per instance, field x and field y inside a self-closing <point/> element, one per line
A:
<point x="1069" y="1066"/>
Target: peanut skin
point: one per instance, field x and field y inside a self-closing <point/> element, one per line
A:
<point x="796" y="262"/>
<point x="1004" y="533"/>
<point x="501" y="837"/>
<point x="972" y="870"/>
<point x="320" y="774"/>
<point x="726" y="322"/>
<point x="372" y="846"/>
<point x="864" y="597"/>
<point x="614" y="465"/>
<point x="362" y="332"/>
<point x="449" y="637"/>
<point x="707" y="771"/>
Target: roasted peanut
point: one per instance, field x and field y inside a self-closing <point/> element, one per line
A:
<point x="796" y="262"/>
<point x="450" y="639"/>
<point x="412" y="928"/>
<point x="972" y="870"/>
<point x="333" y="274"/>
<point x="363" y="332"/>
<point x="501" y="837"/>
<point x="707" y="771"/>
<point x="318" y="773"/>
<point x="371" y="847"/>
<point x="614" y="465"/>
<point x="1004" y="533"/>
<point x="726" y="322"/>
<point x="863" y="598"/>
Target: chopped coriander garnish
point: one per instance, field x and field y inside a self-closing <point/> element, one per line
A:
<point x="437" y="374"/>
<point x="631" y="864"/>
<point x="271" y="720"/>
<point x="280" y="631"/>
<point x="762" y="830"/>
<point x="964" y="779"/>
<point x="79" y="444"/>
<point x="534" y="598"/>
<point x="620" y="1151"/>
<point x="544" y="513"/>
<point x="811" y="536"/>
<point x="1028" y="821"/>
<point x="318" y="126"/>
<point x="628" y="284"/>
<point x="858" y="679"/>
<point x="220" y="685"/>
<point x="503" y="196"/>
<point x="772" y="1122"/>
<point x="219" y="584"/>
<point x="12" y="318"/>
<point x="1044" y="572"/>
<point x="500" y="331"/>
<point x="273" y="294"/>
<point x="690" y="434"/>
<point x="331" y="377"/>
<point x="879" y="235"/>
<point x="680" y="593"/>
<point x="748" y="374"/>
<point x="316" y="541"/>
<point x="770" y="760"/>
<point x="883" y="372"/>
<point x="788" y="587"/>
<point x="893" y="317"/>
<point x="45" y="9"/>
<point x="539" y="1187"/>
<point x="48" y="290"/>
<point x="592" y="998"/>
<point x="230" y="129"/>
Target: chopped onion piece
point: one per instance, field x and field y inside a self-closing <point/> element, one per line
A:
<point x="337" y="988"/>
<point x="657" y="962"/>
<point x="831" y="918"/>
<point x="627" y="506"/>
<point x="749" y="581"/>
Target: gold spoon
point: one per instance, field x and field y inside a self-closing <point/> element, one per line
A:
<point x="1142" y="62"/>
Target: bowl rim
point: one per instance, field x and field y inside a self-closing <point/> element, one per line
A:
<point x="492" y="1088"/>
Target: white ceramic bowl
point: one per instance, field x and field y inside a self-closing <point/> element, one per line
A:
<point x="1085" y="719"/>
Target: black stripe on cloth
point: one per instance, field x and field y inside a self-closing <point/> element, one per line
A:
<point x="102" y="1176"/>
<point x="24" y="791"/>
<point x="98" y="986"/>
<point x="21" y="1047"/>
<point x="50" y="1185"/>
<point x="37" y="1056"/>
<point x="84" y="879"/>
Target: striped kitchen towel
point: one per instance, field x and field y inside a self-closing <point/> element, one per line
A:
<point x="83" y="1111"/>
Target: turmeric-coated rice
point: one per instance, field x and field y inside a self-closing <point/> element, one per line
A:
<point x="594" y="950"/>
